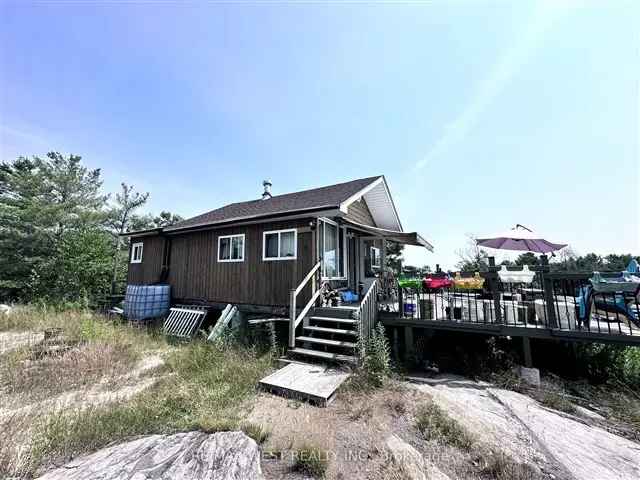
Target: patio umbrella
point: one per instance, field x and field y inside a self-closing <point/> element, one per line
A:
<point x="520" y="238"/>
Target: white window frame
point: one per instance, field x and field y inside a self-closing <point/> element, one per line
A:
<point x="134" y="246"/>
<point x="345" y="255"/>
<point x="231" y="260"/>
<point x="279" y="232"/>
<point x="341" y="231"/>
<point x="376" y="253"/>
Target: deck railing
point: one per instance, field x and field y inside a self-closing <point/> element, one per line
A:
<point x="553" y="301"/>
<point x="294" y="317"/>
<point x="368" y="311"/>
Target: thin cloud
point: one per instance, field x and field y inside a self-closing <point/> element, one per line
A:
<point x="12" y="132"/>
<point x="545" y="15"/>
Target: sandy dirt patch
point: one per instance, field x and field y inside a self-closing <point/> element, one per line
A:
<point x="352" y="430"/>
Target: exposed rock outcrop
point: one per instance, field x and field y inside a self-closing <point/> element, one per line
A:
<point x="188" y="456"/>
<point x="520" y="427"/>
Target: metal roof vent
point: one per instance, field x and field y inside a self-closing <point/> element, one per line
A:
<point x="266" y="195"/>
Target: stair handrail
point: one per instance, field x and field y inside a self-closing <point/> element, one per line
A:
<point x="294" y="318"/>
<point x="368" y="310"/>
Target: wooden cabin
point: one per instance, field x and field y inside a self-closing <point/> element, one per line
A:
<point x="271" y="255"/>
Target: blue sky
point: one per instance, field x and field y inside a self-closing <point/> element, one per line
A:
<point x="480" y="114"/>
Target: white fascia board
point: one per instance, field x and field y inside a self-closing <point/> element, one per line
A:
<point x="344" y="206"/>
<point x="393" y="205"/>
<point x="356" y="196"/>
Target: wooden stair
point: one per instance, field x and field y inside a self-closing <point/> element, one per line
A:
<point x="347" y="321"/>
<point x="323" y="355"/>
<point x="326" y="341"/>
<point x="330" y="334"/>
<point x="332" y="331"/>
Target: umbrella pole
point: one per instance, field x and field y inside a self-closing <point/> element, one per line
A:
<point x="493" y="285"/>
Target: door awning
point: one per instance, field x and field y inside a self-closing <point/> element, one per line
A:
<point x="407" y="238"/>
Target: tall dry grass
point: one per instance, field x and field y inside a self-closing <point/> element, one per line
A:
<point x="201" y="386"/>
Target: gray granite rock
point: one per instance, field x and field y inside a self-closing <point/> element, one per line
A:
<point x="183" y="456"/>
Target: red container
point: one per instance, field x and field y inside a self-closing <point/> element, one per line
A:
<point x="435" y="283"/>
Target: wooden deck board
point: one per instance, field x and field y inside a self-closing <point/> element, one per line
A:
<point x="316" y="383"/>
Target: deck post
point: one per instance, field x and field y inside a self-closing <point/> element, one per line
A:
<point x="547" y="289"/>
<point x="408" y="343"/>
<point x="493" y="285"/>
<point x="526" y="349"/>
<point x="396" y="355"/>
<point x="292" y="318"/>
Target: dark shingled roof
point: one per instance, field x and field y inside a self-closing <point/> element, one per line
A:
<point x="324" y="197"/>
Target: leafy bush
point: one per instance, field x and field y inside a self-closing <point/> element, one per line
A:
<point x="602" y="363"/>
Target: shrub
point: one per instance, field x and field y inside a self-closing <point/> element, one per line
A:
<point x="435" y="424"/>
<point x="259" y="433"/>
<point x="376" y="357"/>
<point x="310" y="460"/>
<point x="602" y="363"/>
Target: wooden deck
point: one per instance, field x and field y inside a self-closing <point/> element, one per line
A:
<point x="598" y="331"/>
<point x="314" y="383"/>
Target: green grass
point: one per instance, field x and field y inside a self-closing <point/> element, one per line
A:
<point x="80" y="326"/>
<point x="435" y="424"/>
<point x="557" y="401"/>
<point x="500" y="466"/>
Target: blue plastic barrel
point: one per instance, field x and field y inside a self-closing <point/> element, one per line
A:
<point x="146" y="301"/>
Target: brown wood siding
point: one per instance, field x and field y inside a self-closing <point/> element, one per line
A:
<point x="195" y="273"/>
<point x="359" y="212"/>
<point x="147" y="271"/>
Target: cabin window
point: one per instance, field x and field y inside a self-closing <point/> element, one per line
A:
<point x="136" y="252"/>
<point x="332" y="242"/>
<point x="375" y="257"/>
<point x="280" y="244"/>
<point x="372" y="257"/>
<point x="231" y="248"/>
